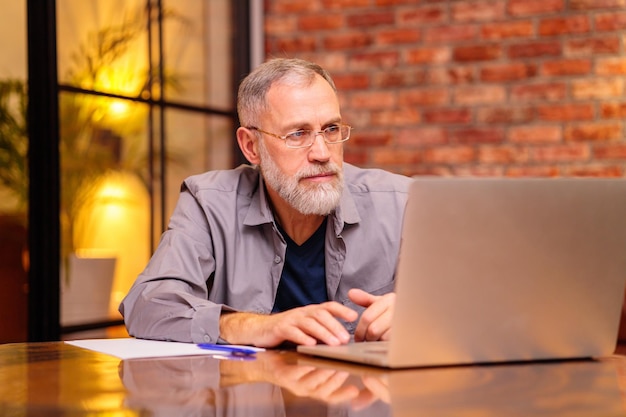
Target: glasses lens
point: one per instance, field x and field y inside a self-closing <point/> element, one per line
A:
<point x="299" y="138"/>
<point x="333" y="134"/>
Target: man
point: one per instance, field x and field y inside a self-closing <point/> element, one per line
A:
<point x="297" y="248"/>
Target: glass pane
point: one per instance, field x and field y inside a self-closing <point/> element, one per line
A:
<point x="115" y="136"/>
<point x="195" y="143"/>
<point x="105" y="203"/>
<point x="13" y="174"/>
<point x="102" y="45"/>
<point x="197" y="50"/>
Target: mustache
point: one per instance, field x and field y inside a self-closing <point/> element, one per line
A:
<point x="321" y="169"/>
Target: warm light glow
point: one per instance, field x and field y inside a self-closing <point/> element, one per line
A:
<point x="116" y="221"/>
<point x="119" y="108"/>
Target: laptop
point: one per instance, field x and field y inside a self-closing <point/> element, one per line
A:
<point x="504" y="270"/>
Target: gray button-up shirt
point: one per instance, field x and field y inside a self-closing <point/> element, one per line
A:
<point x="223" y="252"/>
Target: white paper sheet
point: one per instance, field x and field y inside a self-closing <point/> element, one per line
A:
<point x="131" y="348"/>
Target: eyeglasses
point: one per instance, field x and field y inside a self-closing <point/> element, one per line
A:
<point x="305" y="138"/>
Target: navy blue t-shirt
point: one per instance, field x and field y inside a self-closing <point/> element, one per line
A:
<point x="303" y="280"/>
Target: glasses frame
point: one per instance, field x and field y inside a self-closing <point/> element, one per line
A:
<point x="315" y="133"/>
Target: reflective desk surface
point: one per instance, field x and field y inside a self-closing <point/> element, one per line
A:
<point x="57" y="379"/>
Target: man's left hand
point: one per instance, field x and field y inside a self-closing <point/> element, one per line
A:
<point x="375" y="322"/>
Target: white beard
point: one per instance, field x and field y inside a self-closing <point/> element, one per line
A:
<point x="319" y="199"/>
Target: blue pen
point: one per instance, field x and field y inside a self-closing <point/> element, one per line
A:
<point x="233" y="350"/>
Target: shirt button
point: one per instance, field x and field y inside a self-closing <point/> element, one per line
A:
<point x="207" y="338"/>
<point x="277" y="259"/>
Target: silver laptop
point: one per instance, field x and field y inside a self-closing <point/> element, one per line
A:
<point x="501" y="270"/>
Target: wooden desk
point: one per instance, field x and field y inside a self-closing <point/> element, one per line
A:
<point x="58" y="379"/>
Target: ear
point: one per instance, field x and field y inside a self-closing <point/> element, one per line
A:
<point x="248" y="143"/>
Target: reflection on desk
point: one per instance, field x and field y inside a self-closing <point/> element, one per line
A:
<point x="57" y="379"/>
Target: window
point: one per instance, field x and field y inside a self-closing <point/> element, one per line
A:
<point x="145" y="98"/>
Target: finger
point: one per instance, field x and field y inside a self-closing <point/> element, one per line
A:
<point x="376" y="328"/>
<point x="324" y="326"/>
<point x="376" y="319"/>
<point x="318" y="322"/>
<point x="340" y="311"/>
<point x="360" y="297"/>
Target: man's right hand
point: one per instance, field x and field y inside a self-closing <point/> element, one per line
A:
<point x="308" y="325"/>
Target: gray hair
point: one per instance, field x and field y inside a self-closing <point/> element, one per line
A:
<point x="251" y="98"/>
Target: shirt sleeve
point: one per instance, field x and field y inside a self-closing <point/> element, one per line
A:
<point x="169" y="299"/>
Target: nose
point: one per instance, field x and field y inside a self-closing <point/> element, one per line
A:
<point x="319" y="150"/>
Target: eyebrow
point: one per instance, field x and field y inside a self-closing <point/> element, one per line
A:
<point x="298" y="126"/>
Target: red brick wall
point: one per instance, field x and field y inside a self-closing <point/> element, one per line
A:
<point x="459" y="87"/>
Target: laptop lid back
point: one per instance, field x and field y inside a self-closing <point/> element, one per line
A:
<point x="509" y="269"/>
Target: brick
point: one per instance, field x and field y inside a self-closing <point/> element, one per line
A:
<point x="300" y="44"/>
<point x="428" y="55"/>
<point x="615" y="151"/>
<point x="422" y="16"/>
<point x="540" y="91"/>
<point x="396" y="117"/>
<point x="468" y="136"/>
<point x="422" y="136"/>
<point x="535" y="49"/>
<point x="478" y="10"/>
<point x="596" y="132"/>
<point x="370" y="20"/>
<point x="428" y="170"/>
<point x="534" y="134"/>
<point x="505" y="115"/>
<point x="387" y="156"/>
<point x="450" y="33"/>
<point x="564" y="25"/>
<point x="398" y="36"/>
<point x="592" y="46"/>
<point x="450" y="76"/>
<point x="534" y="7"/>
<point x="611" y="66"/>
<point x="613" y="110"/>
<point x="448" y="116"/>
<point x="449" y="154"/>
<point x="594" y="170"/>
<point x="353" y="81"/>
<point x="400" y="77"/>
<point x="481" y="52"/>
<point x="424" y="97"/>
<point x="564" y="67"/>
<point x="280" y="25"/>
<point x="386" y="3"/>
<point x="533" y="171"/>
<point x="287" y="7"/>
<point x="596" y="4"/>
<point x="479" y="94"/>
<point x="505" y="155"/>
<point x="507" y="30"/>
<point x="370" y="138"/>
<point x="334" y="62"/>
<point x="374" y="60"/>
<point x="358" y="157"/>
<point x="602" y="88"/>
<point x="560" y="153"/>
<point x="347" y="41"/>
<point x="343" y="4"/>
<point x="566" y="112"/>
<point x="359" y="119"/>
<point x="373" y="100"/>
<point x="315" y="22"/>
<point x="610" y="21"/>
<point x="507" y="72"/>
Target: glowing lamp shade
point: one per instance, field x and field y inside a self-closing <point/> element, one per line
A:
<point x="115" y="220"/>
